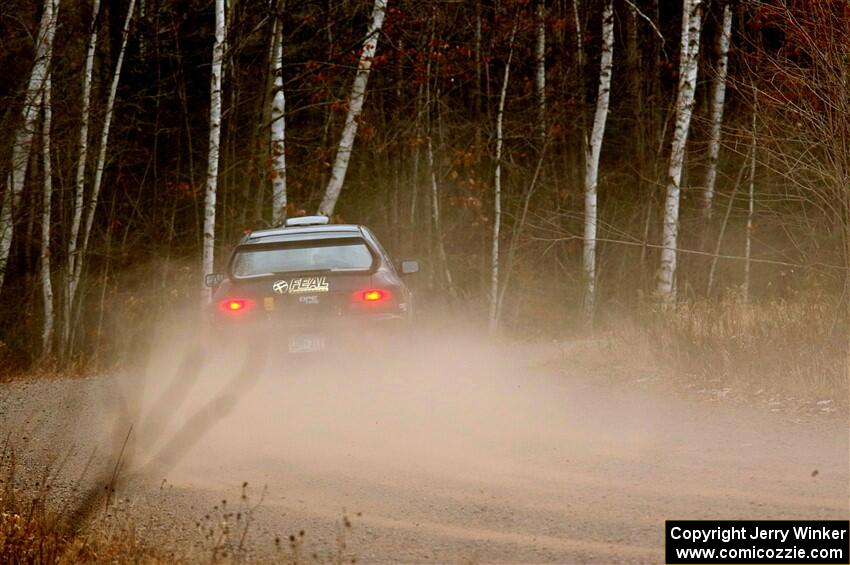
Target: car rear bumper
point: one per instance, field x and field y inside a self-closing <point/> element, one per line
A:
<point x="364" y="333"/>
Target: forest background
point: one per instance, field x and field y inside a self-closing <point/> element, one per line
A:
<point x="672" y="176"/>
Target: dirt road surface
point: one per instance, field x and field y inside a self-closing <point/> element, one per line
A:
<point x="451" y="452"/>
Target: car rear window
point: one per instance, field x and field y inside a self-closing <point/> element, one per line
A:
<point x="350" y="255"/>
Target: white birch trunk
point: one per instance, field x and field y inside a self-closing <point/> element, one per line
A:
<point x="213" y="153"/>
<point x="100" y="165"/>
<point x="717" y="103"/>
<point x="591" y="162"/>
<point x="24" y="135"/>
<point x="79" y="184"/>
<point x="278" y="129"/>
<point x="80" y="179"/>
<point x="540" y="69"/>
<point x="497" y="195"/>
<point x="46" y="286"/>
<point x="691" y="28"/>
<point x="355" y="107"/>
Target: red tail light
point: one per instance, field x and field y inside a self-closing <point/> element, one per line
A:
<point x="236" y="305"/>
<point x="372" y="296"/>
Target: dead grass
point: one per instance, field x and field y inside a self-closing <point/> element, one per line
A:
<point x="36" y="528"/>
<point x="31" y="532"/>
<point x="797" y="349"/>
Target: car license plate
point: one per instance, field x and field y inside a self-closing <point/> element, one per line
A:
<point x="306" y="343"/>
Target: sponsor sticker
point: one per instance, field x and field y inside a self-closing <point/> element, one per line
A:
<point x="301" y="285"/>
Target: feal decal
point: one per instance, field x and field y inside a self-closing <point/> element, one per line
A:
<point x="301" y="285"/>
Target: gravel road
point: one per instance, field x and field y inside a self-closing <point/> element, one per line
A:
<point x="450" y="452"/>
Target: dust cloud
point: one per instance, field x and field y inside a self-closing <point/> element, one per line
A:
<point x="451" y="402"/>
<point x="444" y="445"/>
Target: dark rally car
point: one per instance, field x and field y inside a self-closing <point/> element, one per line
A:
<point x="312" y="286"/>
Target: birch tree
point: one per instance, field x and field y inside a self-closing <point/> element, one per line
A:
<point x="278" y="126"/>
<point x="540" y="69"/>
<point x="718" y="97"/>
<point x="213" y="153"/>
<point x="691" y="28"/>
<point x="46" y="285"/>
<point x="80" y="179"/>
<point x="355" y="107"/>
<point x="592" y="153"/>
<point x="497" y="193"/>
<point x="100" y="165"/>
<point x="25" y="132"/>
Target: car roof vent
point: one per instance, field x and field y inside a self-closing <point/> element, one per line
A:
<point x="307" y="221"/>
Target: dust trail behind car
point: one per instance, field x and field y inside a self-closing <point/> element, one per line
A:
<point x="453" y="446"/>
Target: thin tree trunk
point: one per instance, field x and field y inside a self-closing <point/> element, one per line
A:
<point x="745" y="288"/>
<point x="719" y="243"/>
<point x="540" y="70"/>
<point x="213" y="153"/>
<point x="517" y="231"/>
<point x="414" y="190"/>
<point x="633" y="64"/>
<point x="436" y="220"/>
<point x="184" y="104"/>
<point x="31" y="200"/>
<point x="691" y="28"/>
<point x="581" y="142"/>
<point x="435" y="216"/>
<point x="24" y="135"/>
<point x="91" y="208"/>
<point x="142" y="41"/>
<point x="103" y="286"/>
<point x="278" y="128"/>
<point x="478" y="93"/>
<point x="265" y="117"/>
<point x="655" y="135"/>
<point x="717" y="103"/>
<point x="641" y="132"/>
<point x="355" y="107"/>
<point x="497" y="194"/>
<point x="591" y="161"/>
<point x="647" y="223"/>
<point x="398" y="165"/>
<point x="46" y="286"/>
<point x="80" y="179"/>
<point x="579" y="38"/>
